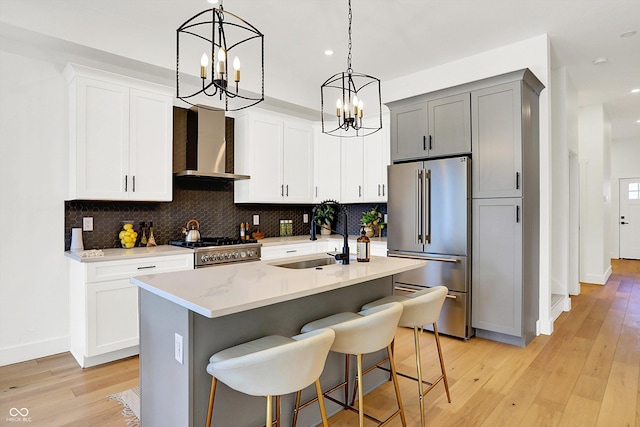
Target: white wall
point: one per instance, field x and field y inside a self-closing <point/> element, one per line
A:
<point x="565" y="142"/>
<point x="625" y="163"/>
<point x="533" y="53"/>
<point x="594" y="133"/>
<point x="33" y="175"/>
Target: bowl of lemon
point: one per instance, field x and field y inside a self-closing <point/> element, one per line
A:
<point x="128" y="236"/>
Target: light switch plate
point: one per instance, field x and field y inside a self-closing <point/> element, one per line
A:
<point x="305" y="218"/>
<point x="256" y="220"/>
<point x="87" y="223"/>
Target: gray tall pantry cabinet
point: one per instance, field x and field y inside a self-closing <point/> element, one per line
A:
<point x="496" y="120"/>
<point x="506" y="209"/>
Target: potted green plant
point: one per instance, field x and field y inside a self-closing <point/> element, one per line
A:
<point x="373" y="222"/>
<point x="325" y="215"/>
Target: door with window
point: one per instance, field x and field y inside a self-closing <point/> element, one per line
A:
<point x="630" y="218"/>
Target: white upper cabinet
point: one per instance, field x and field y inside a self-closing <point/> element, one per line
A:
<point x="120" y="137"/>
<point x="352" y="165"/>
<point x="376" y="159"/>
<point x="326" y="170"/>
<point x="277" y="152"/>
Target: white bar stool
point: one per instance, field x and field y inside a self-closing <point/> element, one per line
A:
<point x="361" y="333"/>
<point x="272" y="366"/>
<point x="420" y="308"/>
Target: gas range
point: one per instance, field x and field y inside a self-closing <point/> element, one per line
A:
<point x="211" y="251"/>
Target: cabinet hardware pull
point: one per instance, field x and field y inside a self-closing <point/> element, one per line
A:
<point x="378" y="190"/>
<point x="451" y="296"/>
<point x="517" y="180"/>
<point x="400" y="288"/>
<point x="147" y="267"/>
<point x="424" y="142"/>
<point x="282" y="190"/>
<point x="383" y="190"/>
<point x="134" y="183"/>
<point x="287" y="190"/>
<point x="517" y="213"/>
<point x="430" y="143"/>
<point x="455" y="261"/>
<point x="359" y="191"/>
<point x="316" y="191"/>
<point x="125" y="182"/>
<point x="290" y="251"/>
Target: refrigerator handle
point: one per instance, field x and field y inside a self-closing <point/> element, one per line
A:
<point x="427" y="215"/>
<point x="419" y="198"/>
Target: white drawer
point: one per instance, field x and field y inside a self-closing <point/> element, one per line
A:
<point x="124" y="269"/>
<point x="283" y="251"/>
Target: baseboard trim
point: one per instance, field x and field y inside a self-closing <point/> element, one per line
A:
<point x="597" y="279"/>
<point x="34" y="350"/>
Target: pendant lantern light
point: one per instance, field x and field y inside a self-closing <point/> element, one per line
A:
<point x="350" y="102"/>
<point x="212" y="38"/>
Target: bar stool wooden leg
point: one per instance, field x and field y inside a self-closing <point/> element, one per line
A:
<point x="360" y="396"/>
<point x="444" y="372"/>
<point x="323" y="410"/>
<point x="213" y="392"/>
<point x="396" y="386"/>
<point x="416" y="338"/>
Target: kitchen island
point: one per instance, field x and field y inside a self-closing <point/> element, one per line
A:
<point x="185" y="317"/>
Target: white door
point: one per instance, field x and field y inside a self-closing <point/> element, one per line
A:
<point x="630" y="218"/>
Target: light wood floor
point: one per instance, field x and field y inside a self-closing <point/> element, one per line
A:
<point x="587" y="373"/>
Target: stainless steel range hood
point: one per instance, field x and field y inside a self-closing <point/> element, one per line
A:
<point x="203" y="153"/>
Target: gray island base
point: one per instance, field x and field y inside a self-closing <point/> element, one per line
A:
<point x="211" y="319"/>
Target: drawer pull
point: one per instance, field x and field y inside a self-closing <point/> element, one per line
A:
<point x="400" y="288"/>
<point x="292" y="251"/>
<point x="147" y="267"/>
<point x="451" y="296"/>
<point x="455" y="261"/>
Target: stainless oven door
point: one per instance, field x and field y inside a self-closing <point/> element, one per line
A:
<point x="455" y="315"/>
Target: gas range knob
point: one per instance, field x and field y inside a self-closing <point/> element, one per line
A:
<point x="251" y="253"/>
<point x="204" y="258"/>
<point x="236" y="254"/>
<point x="243" y="254"/>
<point x="228" y="256"/>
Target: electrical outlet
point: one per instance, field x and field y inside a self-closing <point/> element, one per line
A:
<point x="256" y="220"/>
<point x="87" y="223"/>
<point x="305" y="218"/>
<point x="178" y="350"/>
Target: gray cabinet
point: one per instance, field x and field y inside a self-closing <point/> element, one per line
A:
<point x="497" y="148"/>
<point x="432" y="128"/>
<point x="497" y="265"/>
<point x="506" y="208"/>
<point x="449" y="125"/>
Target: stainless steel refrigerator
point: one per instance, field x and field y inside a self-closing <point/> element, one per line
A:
<point x="429" y="214"/>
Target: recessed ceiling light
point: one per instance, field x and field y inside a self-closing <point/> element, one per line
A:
<point x="637" y="121"/>
<point x="600" y="60"/>
<point x="628" y="34"/>
<point x="635" y="90"/>
<point x="328" y="52"/>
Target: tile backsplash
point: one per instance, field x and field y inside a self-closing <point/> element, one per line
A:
<point x="209" y="202"/>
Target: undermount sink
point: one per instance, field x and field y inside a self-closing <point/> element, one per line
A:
<point x="309" y="263"/>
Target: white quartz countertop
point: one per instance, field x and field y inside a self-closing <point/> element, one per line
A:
<point x="113" y="254"/>
<point x="222" y="290"/>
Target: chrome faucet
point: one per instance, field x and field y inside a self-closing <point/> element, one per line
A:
<point x="344" y="256"/>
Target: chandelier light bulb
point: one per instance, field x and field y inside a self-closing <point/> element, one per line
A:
<point x="360" y="108"/>
<point x="338" y="107"/>
<point x="204" y="60"/>
<point x="236" y="69"/>
<point x="354" y="100"/>
<point x="222" y="57"/>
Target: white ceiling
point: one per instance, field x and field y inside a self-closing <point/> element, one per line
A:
<point x="390" y="38"/>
